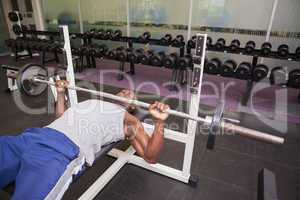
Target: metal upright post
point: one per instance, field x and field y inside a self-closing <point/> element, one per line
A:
<point x="194" y="102"/>
<point x="69" y="62"/>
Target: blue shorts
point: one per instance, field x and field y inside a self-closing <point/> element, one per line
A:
<point x="35" y="160"/>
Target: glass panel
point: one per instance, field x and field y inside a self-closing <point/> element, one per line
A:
<point x="230" y="19"/>
<point x="159" y="17"/>
<point x="285" y="30"/>
<point x="286" y="26"/>
<point x="287" y="16"/>
<point x="4" y="31"/>
<point x="103" y="14"/>
<point x="61" y="12"/>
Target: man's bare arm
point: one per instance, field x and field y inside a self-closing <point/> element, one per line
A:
<point x="60" y="105"/>
<point x="148" y="147"/>
<point x="61" y="101"/>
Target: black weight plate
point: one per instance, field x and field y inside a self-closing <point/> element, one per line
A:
<point x="278" y="76"/>
<point x="294" y="79"/>
<point x="260" y="72"/>
<point x="25" y="77"/>
<point x="17" y="29"/>
<point x="215" y="125"/>
<point x="13" y="16"/>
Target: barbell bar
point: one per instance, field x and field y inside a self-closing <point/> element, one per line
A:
<point x="242" y="131"/>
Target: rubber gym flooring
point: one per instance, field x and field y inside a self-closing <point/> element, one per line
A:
<point x="230" y="172"/>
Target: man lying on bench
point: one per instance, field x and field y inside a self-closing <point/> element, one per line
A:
<point x="38" y="157"/>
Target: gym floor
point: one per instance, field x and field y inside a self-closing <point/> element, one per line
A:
<point x="228" y="172"/>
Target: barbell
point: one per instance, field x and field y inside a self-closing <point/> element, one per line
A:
<point x="33" y="81"/>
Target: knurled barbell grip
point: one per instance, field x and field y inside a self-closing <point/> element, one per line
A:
<point x="252" y="134"/>
<point x="246" y="132"/>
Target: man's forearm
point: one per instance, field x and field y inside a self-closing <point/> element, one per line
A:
<point x="155" y="143"/>
<point x="60" y="104"/>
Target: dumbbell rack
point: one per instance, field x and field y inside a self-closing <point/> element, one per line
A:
<point x="255" y="54"/>
<point x="130" y="42"/>
<point x="88" y="40"/>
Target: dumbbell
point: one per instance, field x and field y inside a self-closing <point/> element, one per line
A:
<point x="220" y="44"/>
<point x="209" y="42"/>
<point x="84" y="50"/>
<point x="157" y="58"/>
<point x="178" y="41"/>
<point x="24" y="28"/>
<point x="250" y="47"/>
<point x="87" y="35"/>
<point x="91" y="33"/>
<point x="107" y="34"/>
<point x="121" y="54"/>
<point x="34" y="44"/>
<point x="101" y="50"/>
<point x="145" y="37"/>
<point x="167" y="39"/>
<point x="235" y="45"/>
<point x="266" y="49"/>
<point x="185" y="62"/>
<point x="111" y="54"/>
<point x="213" y="66"/>
<point x="15" y="16"/>
<point x="243" y="71"/>
<point x="228" y="68"/>
<point x="170" y="61"/>
<point x="191" y="44"/>
<point x="17" y="29"/>
<point x="297" y="52"/>
<point x="75" y="51"/>
<point x="294" y="78"/>
<point x="134" y="56"/>
<point x="260" y="72"/>
<point x="99" y="34"/>
<point x="146" y="56"/>
<point x="117" y="34"/>
<point x="54" y="47"/>
<point x="283" y="51"/>
<point x="93" y="50"/>
<point x="278" y="76"/>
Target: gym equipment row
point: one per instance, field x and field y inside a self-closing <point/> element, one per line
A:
<point x="121" y="54"/>
<point x="109" y="34"/>
<point x="250" y="48"/>
<point x="283" y="51"/>
<point x="30" y="44"/>
<point x="246" y="71"/>
<point x="180" y="65"/>
<point x="230" y="68"/>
